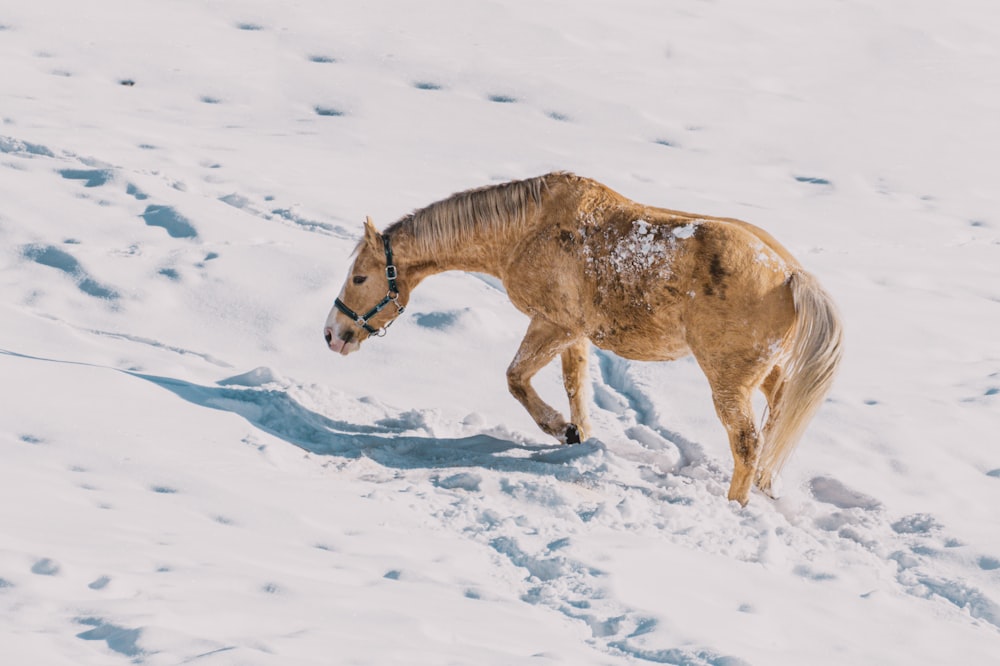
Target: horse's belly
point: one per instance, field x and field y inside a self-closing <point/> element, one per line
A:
<point x="642" y="345"/>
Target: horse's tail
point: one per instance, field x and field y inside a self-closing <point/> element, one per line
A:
<point x="807" y="368"/>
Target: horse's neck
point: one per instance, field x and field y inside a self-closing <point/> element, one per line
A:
<point x="481" y="252"/>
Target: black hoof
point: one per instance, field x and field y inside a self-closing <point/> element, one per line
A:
<point x="572" y="434"/>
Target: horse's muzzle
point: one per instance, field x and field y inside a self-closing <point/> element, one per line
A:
<point x="343" y="345"/>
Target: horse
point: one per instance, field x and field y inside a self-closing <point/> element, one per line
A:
<point x="589" y="266"/>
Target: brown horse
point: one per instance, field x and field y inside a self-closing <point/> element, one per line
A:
<point x="588" y="265"/>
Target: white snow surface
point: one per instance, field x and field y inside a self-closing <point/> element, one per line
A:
<point x="190" y="477"/>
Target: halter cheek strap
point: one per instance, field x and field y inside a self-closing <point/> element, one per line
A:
<point x="391" y="297"/>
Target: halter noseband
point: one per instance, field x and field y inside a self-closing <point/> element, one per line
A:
<point x="391" y="297"/>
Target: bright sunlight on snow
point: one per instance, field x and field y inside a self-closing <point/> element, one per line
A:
<point x="191" y="477"/>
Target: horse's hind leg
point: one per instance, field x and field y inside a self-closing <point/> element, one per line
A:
<point x="575" y="379"/>
<point x="733" y="380"/>
<point x="541" y="344"/>
<point x="736" y="412"/>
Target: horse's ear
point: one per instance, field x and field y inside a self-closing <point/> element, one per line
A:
<point x="372" y="236"/>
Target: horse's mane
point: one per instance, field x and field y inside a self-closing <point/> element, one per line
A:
<point x="491" y="209"/>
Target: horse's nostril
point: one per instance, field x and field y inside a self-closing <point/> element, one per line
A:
<point x="347" y="336"/>
<point x="328" y="334"/>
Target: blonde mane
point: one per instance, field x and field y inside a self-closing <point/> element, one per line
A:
<point x="462" y="217"/>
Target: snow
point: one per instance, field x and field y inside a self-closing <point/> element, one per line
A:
<point x="641" y="253"/>
<point x="190" y="476"/>
<point x="686" y="230"/>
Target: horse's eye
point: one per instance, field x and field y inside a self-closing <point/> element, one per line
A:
<point x="360" y="279"/>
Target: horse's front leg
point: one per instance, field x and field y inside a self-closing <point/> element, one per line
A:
<point x="541" y="344"/>
<point x="576" y="381"/>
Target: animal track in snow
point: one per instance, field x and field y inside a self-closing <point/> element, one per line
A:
<point x="617" y="392"/>
<point x="814" y="180"/>
<point x="437" y="320"/>
<point x="135" y="192"/>
<point x="91" y="177"/>
<point x="502" y="99"/>
<point x="45" y="567"/>
<point x="13" y="146"/>
<point x="328" y="111"/>
<point x="53" y="257"/>
<point x="288" y="215"/>
<point x="100" y="583"/>
<point x="831" y="491"/>
<point x="918" y="546"/>
<point x="167" y="218"/>
<point x="120" y="639"/>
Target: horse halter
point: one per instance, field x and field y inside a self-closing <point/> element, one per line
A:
<point x="391" y="297"/>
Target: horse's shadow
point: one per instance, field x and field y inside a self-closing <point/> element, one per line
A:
<point x="273" y="411"/>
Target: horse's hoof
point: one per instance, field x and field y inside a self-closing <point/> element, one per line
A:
<point x="572" y="434"/>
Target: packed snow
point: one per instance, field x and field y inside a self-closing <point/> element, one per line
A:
<point x="191" y="477"/>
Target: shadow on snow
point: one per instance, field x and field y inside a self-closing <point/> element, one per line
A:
<point x="277" y="413"/>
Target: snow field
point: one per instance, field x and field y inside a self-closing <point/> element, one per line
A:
<point x="190" y="477"/>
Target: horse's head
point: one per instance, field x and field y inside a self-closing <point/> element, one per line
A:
<point x="370" y="299"/>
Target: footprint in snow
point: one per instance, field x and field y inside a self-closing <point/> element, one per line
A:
<point x="166" y="217"/>
<point x="134" y="191"/>
<point x="328" y="111"/>
<point x="100" y="583"/>
<point x="987" y="563"/>
<point x="120" y="639"/>
<point x="917" y="523"/>
<point x="45" y="567"/>
<point x="502" y="99"/>
<point x="437" y="320"/>
<point x="831" y="491"/>
<point x="91" y="177"/>
<point x="53" y="257"/>
<point x="461" y="481"/>
<point x="23" y="148"/>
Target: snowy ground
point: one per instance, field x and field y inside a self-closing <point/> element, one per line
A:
<point x="190" y="476"/>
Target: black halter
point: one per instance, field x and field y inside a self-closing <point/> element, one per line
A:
<point x="391" y="297"/>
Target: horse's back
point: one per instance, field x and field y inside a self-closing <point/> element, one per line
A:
<point x="650" y="283"/>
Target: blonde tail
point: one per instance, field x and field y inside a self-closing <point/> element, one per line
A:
<point x="807" y="369"/>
